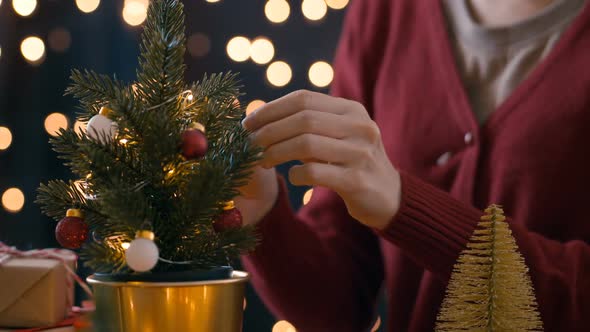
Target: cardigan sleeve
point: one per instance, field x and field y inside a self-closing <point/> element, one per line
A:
<point x="433" y="228"/>
<point x="319" y="268"/>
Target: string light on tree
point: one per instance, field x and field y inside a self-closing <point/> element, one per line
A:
<point x="5" y="138"/>
<point x="142" y="254"/>
<point x="24" y="7"/>
<point x="135" y="11"/>
<point x="254" y="105"/>
<point x="54" y="122"/>
<point x="314" y="9"/>
<point x="87" y="6"/>
<point x="13" y="200"/>
<point x="277" y="11"/>
<point x="238" y="48"/>
<point x="337" y="4"/>
<point x="279" y="73"/>
<point x="262" y="51"/>
<point x="100" y="128"/>
<point x="72" y="231"/>
<point x="321" y="74"/>
<point x="33" y="49"/>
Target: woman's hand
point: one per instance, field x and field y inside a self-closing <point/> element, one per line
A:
<point x="340" y="147"/>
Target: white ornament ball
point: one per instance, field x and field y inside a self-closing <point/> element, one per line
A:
<point x="101" y="129"/>
<point x="142" y="255"/>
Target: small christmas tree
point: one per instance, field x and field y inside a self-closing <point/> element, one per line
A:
<point x="490" y="289"/>
<point x="159" y="164"/>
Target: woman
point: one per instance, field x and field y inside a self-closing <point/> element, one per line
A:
<point x="439" y="109"/>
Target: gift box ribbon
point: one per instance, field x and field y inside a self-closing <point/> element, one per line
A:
<point x="61" y="255"/>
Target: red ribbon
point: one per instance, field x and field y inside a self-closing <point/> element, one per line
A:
<point x="62" y="255"/>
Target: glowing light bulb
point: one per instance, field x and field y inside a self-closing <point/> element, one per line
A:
<point x="24" y="7"/>
<point x="238" y="49"/>
<point x="5" y="138"/>
<point x="277" y="11"/>
<point x="321" y="74"/>
<point x="307" y="196"/>
<point x="262" y="51"/>
<point x="33" y="49"/>
<point x="283" y="326"/>
<point x="54" y="122"/>
<point x="13" y="200"/>
<point x="135" y="12"/>
<point x="314" y="9"/>
<point x="87" y="6"/>
<point x="337" y="4"/>
<point x="125" y="245"/>
<point x="254" y="105"/>
<point x="279" y="73"/>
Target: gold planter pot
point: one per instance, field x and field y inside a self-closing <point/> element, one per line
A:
<point x="201" y="306"/>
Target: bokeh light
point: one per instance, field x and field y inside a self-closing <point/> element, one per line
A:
<point x="283" y="326"/>
<point x="377" y="325"/>
<point x="87" y="6"/>
<point x="79" y="127"/>
<point x="198" y="44"/>
<point x="135" y="11"/>
<point x="262" y="51"/>
<point x="24" y="7"/>
<point x="279" y="73"/>
<point x="337" y="4"/>
<point x="33" y="49"/>
<point x="314" y="9"/>
<point x="321" y="74"/>
<point x="59" y="39"/>
<point x="238" y="48"/>
<point x="5" y="138"/>
<point x="212" y="1"/>
<point x="307" y="196"/>
<point x="277" y="11"/>
<point x="13" y="200"/>
<point x="54" y="122"/>
<point x="254" y="105"/>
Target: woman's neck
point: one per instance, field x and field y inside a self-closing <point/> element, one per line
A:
<point x="498" y="13"/>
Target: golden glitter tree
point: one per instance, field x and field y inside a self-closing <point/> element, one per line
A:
<point x="490" y="289"/>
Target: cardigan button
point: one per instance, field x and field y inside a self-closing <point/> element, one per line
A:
<point x="443" y="159"/>
<point x="468" y="138"/>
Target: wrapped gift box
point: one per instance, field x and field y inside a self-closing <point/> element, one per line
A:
<point x="34" y="291"/>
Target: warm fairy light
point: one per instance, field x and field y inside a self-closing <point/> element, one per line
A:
<point x="277" y="11"/>
<point x="13" y="200"/>
<point x="283" y="326"/>
<point x="262" y="51"/>
<point x="212" y="1"/>
<point x="33" y="49"/>
<point x="314" y="9"/>
<point x="377" y="325"/>
<point x="24" y="7"/>
<point x="238" y="48"/>
<point x="125" y="245"/>
<point x="123" y="141"/>
<point x="190" y="97"/>
<point x="198" y="44"/>
<point x="135" y="11"/>
<point x="54" y="122"/>
<point x="254" y="105"/>
<point x="5" y="138"/>
<point x="87" y="6"/>
<point x="337" y="4"/>
<point x="279" y="73"/>
<point x="79" y="127"/>
<point x="321" y="74"/>
<point x="307" y="196"/>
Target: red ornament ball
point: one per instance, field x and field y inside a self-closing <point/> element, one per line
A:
<point x="71" y="231"/>
<point x="230" y="218"/>
<point x="194" y="144"/>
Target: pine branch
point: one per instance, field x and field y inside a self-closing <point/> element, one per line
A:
<point x="490" y="289"/>
<point x="93" y="90"/>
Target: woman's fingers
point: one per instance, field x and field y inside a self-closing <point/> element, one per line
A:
<point x="318" y="174"/>
<point x="312" y="147"/>
<point x="298" y="101"/>
<point x="311" y="122"/>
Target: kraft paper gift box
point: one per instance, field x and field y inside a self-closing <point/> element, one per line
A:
<point x="34" y="292"/>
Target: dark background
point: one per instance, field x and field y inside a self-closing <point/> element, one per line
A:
<point x="102" y="41"/>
